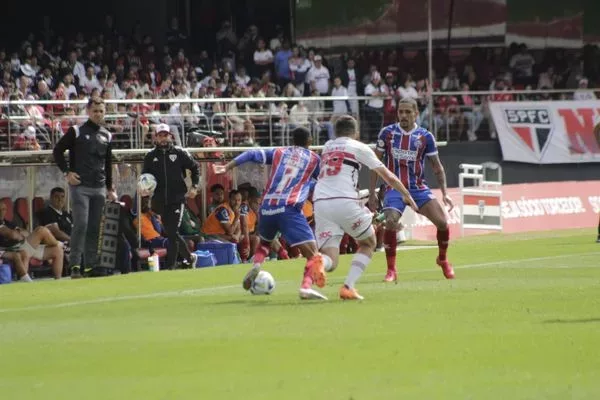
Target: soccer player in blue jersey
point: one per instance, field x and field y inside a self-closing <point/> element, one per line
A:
<point x="404" y="147"/>
<point x="293" y="170"/>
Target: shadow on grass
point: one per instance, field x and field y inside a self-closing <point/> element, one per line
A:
<point x="261" y="301"/>
<point x="572" y="321"/>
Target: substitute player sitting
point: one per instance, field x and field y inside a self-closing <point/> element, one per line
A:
<point x="337" y="205"/>
<point x="404" y="147"/>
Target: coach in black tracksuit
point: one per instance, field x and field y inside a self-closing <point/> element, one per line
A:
<point x="168" y="164"/>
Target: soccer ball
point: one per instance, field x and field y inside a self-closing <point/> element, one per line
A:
<point x="263" y="284"/>
<point x="147" y="183"/>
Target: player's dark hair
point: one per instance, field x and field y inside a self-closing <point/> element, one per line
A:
<point x="301" y="136"/>
<point x="95" y="101"/>
<point x="345" y="126"/>
<point x="411" y="101"/>
<point x="56" y="190"/>
<point x="233" y="193"/>
<point x="216" y="187"/>
<point x="253" y="193"/>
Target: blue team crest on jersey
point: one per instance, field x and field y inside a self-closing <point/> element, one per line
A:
<point x="419" y="142"/>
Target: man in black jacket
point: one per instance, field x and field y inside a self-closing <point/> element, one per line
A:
<point x="89" y="174"/>
<point x="168" y="164"/>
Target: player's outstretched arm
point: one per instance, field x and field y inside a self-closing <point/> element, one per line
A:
<point x="254" y="156"/>
<point x="440" y="174"/>
<point x="373" y="184"/>
<point x="394" y="182"/>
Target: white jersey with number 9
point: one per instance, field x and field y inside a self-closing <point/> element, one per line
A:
<point x="341" y="161"/>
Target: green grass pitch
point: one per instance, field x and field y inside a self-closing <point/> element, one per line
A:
<point x="521" y="321"/>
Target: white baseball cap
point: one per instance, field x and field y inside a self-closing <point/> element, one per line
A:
<point x="163" y="128"/>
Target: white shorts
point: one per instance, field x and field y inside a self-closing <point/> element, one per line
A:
<point x="37" y="252"/>
<point x="334" y="217"/>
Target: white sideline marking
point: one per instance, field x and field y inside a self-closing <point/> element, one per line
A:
<point x="191" y="292"/>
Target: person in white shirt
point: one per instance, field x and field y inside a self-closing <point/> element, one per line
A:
<point x="318" y="77"/>
<point x="89" y="82"/>
<point x="583" y="93"/>
<point x="374" y="107"/>
<point x="337" y="206"/>
<point x="340" y="107"/>
<point x="263" y="58"/>
<point x="299" y="67"/>
<point x="351" y="75"/>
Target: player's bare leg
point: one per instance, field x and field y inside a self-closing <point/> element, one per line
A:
<point x="260" y="254"/>
<point x="435" y="213"/>
<point x="361" y="259"/>
<point x="598" y="238"/>
<point x="314" y="271"/>
<point x="390" y="242"/>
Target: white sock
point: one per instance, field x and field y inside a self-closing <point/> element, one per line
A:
<point x="26" y="278"/>
<point x="359" y="264"/>
<point x="327" y="263"/>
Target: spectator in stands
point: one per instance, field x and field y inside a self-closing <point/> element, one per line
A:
<point x="282" y="65"/>
<point x="299" y="67"/>
<point x="471" y="112"/>
<point x="27" y="140"/>
<point x="89" y="175"/>
<point x="217" y="192"/>
<point x="224" y="222"/>
<point x="263" y="58"/>
<point x="340" y="107"/>
<point x="451" y="81"/>
<point x="226" y="39"/>
<point x="522" y="64"/>
<point x="318" y="77"/>
<point x="374" y="107"/>
<point x="583" y="93"/>
<point x="55" y="216"/>
<point x="351" y="80"/>
<point x="40" y="244"/>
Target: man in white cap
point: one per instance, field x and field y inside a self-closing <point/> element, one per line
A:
<point x="169" y="165"/>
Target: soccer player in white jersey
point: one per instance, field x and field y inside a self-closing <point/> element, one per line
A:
<point x="336" y="203"/>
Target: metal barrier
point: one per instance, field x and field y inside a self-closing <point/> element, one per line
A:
<point x="135" y="121"/>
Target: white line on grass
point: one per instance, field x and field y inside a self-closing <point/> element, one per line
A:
<point x="191" y="292"/>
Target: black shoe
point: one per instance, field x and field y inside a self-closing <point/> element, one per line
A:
<point x="598" y="240"/>
<point x="76" y="272"/>
<point x="97" y="272"/>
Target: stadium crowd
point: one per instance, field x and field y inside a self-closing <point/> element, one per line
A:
<point x="247" y="65"/>
<point x="113" y="65"/>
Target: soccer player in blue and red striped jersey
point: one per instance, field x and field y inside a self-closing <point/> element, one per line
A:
<point x="404" y="147"/>
<point x="293" y="170"/>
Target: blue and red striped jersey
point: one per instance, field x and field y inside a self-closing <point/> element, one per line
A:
<point x="404" y="153"/>
<point x="292" y="176"/>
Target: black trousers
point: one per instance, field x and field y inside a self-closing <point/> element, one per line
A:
<point x="171" y="215"/>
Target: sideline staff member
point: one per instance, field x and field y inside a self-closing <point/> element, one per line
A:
<point x="168" y="164"/>
<point x="89" y="174"/>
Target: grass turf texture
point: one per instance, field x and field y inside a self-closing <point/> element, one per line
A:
<point x="521" y="321"/>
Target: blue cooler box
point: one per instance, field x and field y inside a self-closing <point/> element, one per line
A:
<point x="5" y="274"/>
<point x="225" y="253"/>
<point x="205" y="259"/>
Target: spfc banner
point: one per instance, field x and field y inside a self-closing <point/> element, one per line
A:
<point x="553" y="132"/>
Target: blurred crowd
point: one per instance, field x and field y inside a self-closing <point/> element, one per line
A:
<point x="246" y="66"/>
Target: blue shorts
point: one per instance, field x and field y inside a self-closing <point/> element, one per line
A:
<point x="393" y="199"/>
<point x="287" y="220"/>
